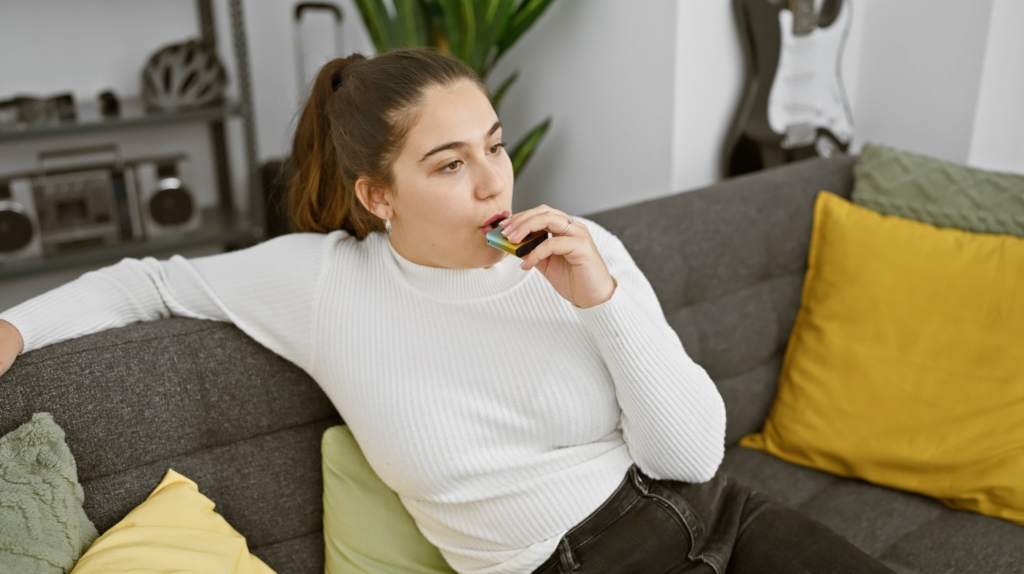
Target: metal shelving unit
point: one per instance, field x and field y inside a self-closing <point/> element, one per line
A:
<point x="224" y="223"/>
<point x="133" y="115"/>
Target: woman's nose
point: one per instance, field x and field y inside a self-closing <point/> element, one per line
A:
<point x="490" y="181"/>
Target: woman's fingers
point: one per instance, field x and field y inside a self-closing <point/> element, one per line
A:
<point x="571" y="248"/>
<point x="525" y="223"/>
<point x="516" y="218"/>
<point x="569" y="260"/>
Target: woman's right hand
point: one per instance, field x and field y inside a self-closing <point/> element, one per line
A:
<point x="11" y="345"/>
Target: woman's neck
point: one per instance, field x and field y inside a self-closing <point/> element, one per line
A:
<point x="452" y="283"/>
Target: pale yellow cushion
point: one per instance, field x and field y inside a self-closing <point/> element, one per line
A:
<point x="905" y="366"/>
<point x="174" y="530"/>
<point x="367" y="529"/>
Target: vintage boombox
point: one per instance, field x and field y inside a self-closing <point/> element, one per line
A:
<point x="90" y="204"/>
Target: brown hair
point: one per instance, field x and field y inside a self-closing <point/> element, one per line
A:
<point x="354" y="124"/>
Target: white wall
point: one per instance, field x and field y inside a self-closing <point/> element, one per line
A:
<point x="919" y="74"/>
<point x="56" y="45"/>
<point x="603" y="69"/>
<point x="708" y="79"/>
<point x="996" y="141"/>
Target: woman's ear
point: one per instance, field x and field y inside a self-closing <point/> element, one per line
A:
<point x="373" y="198"/>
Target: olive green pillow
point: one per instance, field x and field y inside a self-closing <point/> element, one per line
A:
<point x="945" y="194"/>
<point x="366" y="528"/>
<point x="43" y="527"/>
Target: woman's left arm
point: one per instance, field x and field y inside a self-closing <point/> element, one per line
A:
<point x="673" y="417"/>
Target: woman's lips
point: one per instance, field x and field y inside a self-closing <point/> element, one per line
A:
<point x="494" y="221"/>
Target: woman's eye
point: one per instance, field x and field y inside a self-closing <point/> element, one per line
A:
<point x="454" y="165"/>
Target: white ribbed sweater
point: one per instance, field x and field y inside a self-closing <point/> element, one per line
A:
<point x="501" y="414"/>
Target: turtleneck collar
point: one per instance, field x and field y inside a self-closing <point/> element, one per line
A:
<point x="452" y="284"/>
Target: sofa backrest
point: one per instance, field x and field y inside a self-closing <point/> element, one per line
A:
<point x="727" y="263"/>
<point x="197" y="396"/>
<point x="203" y="398"/>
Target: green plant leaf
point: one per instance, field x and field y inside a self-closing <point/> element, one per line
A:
<point x="523" y="19"/>
<point x="451" y="19"/>
<point x="492" y="19"/>
<point x="434" y="16"/>
<point x="377" y="22"/>
<point x="523" y="150"/>
<point x="410" y="24"/>
<point x="492" y="10"/>
<point x="497" y="26"/>
<point x="468" y="32"/>
<point x="499" y="94"/>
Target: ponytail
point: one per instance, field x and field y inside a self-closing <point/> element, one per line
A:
<point x="316" y="199"/>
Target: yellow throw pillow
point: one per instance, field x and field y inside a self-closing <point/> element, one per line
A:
<point x="905" y="366"/>
<point x="174" y="530"/>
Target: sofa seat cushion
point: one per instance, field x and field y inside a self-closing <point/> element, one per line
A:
<point x="909" y="532"/>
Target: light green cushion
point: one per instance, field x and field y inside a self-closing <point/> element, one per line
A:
<point x="942" y="193"/>
<point x="366" y="527"/>
<point x="43" y="528"/>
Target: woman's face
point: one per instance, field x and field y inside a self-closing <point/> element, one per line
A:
<point x="451" y="177"/>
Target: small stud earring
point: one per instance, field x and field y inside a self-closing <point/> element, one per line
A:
<point x="387" y="225"/>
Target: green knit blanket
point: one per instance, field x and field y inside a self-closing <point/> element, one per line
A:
<point x="942" y="193"/>
<point x="43" y="527"/>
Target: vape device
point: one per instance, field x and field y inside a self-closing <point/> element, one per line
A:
<point x="528" y="244"/>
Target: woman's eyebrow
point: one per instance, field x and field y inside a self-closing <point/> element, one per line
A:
<point x="452" y="145"/>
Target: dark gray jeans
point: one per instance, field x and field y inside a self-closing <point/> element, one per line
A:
<point x="650" y="526"/>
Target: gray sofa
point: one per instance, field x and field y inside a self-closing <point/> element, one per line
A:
<point x="727" y="263"/>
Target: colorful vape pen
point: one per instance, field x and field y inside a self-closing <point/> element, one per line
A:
<point x="529" y="243"/>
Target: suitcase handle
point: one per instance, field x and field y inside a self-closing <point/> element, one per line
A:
<point x="300" y="57"/>
<point x="303" y="6"/>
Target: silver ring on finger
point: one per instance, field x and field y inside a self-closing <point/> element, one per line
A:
<point x="566" y="227"/>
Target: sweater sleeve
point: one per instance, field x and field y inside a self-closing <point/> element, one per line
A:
<point x="673" y="417"/>
<point x="267" y="290"/>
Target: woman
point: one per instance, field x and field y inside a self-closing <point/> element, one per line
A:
<point x="533" y="417"/>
